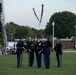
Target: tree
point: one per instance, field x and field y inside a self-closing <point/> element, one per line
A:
<point x="10" y="30"/>
<point x="0" y="29"/>
<point x="16" y="31"/>
<point x="21" y="31"/>
<point x="64" y="24"/>
<point x="38" y="33"/>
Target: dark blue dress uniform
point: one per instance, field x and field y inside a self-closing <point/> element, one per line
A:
<point x="30" y="46"/>
<point x="38" y="46"/>
<point x="19" y="50"/>
<point x="58" y="50"/>
<point x="46" y="51"/>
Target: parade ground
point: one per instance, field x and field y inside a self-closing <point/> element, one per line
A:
<point x="8" y="65"/>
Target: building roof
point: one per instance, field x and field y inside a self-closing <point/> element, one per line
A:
<point x="66" y="39"/>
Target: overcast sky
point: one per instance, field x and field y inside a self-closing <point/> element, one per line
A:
<point x="20" y="11"/>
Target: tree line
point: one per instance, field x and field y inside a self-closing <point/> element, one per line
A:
<point x="15" y="31"/>
<point x="65" y="22"/>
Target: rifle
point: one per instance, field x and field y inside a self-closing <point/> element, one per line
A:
<point x="40" y="51"/>
<point x="60" y="60"/>
<point x="21" y="57"/>
<point x="41" y="14"/>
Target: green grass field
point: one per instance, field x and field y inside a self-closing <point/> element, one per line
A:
<point x="8" y="66"/>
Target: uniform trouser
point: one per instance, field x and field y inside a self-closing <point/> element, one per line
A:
<point x="38" y="58"/>
<point x="19" y="60"/>
<point x="31" y="59"/>
<point x="59" y="59"/>
<point x="47" y="60"/>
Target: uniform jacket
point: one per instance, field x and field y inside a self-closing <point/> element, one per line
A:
<point x="47" y="45"/>
<point x="58" y="48"/>
<point x="38" y="46"/>
<point x="20" y="46"/>
<point x="30" y="45"/>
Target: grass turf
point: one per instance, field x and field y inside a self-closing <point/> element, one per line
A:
<point x="8" y="66"/>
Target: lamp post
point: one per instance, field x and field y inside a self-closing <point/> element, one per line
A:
<point x="53" y="24"/>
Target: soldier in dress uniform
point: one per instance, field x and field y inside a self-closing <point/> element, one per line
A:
<point x="20" y="47"/>
<point x="46" y="51"/>
<point x="58" y="50"/>
<point x="31" y="48"/>
<point x="38" y="47"/>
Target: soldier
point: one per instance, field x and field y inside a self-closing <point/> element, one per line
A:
<point x="58" y="50"/>
<point x="30" y="46"/>
<point x="46" y="51"/>
<point x="20" y="47"/>
<point x="38" y="46"/>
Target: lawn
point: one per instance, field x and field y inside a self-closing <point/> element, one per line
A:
<point x="8" y="66"/>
